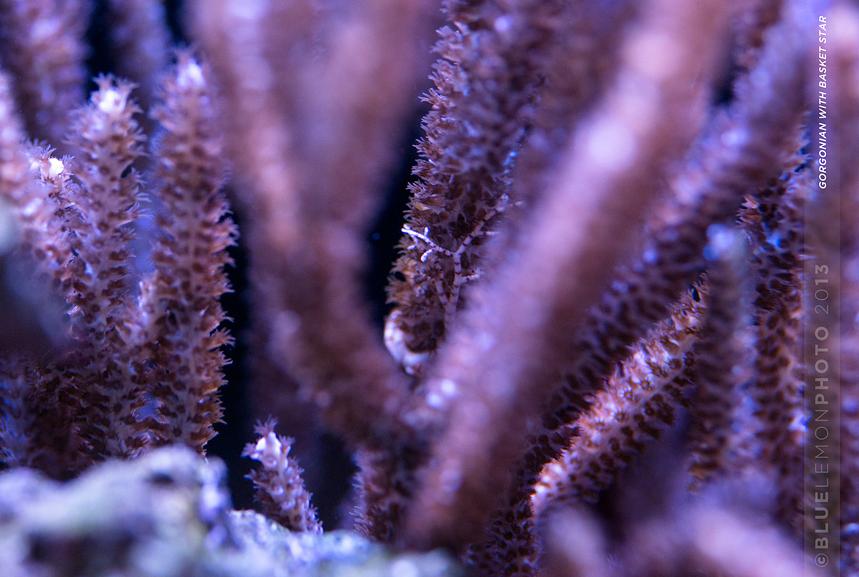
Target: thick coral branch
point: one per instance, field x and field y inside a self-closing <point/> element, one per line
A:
<point x="32" y="416"/>
<point x="578" y="70"/>
<point x="310" y="217"/>
<point x="257" y="53"/>
<point x="310" y="193"/>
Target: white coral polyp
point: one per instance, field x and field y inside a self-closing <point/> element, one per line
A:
<point x="111" y="101"/>
<point x="190" y="75"/>
<point x="268" y="451"/>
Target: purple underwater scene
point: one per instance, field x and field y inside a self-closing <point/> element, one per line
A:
<point x="512" y="288"/>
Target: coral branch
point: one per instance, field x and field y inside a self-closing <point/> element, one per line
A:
<point x="107" y="141"/>
<point x="180" y="305"/>
<point x="492" y="58"/>
<point x="42" y="46"/>
<point x="722" y="359"/>
<point x="579" y="67"/>
<point x="773" y="218"/>
<point x="238" y="41"/>
<point x="310" y="196"/>
<point x="641" y="396"/>
<point x="279" y="487"/>
<point x="256" y="52"/>
<point x="319" y="330"/>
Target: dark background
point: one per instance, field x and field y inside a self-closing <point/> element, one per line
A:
<point x="332" y="485"/>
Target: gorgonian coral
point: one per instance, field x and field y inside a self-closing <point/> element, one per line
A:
<point x="627" y="225"/>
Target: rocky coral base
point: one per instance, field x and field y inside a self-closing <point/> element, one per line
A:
<point x="169" y="514"/>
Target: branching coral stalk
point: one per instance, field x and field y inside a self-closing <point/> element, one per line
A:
<point x="31" y="411"/>
<point x="279" y="487"/>
<point x="338" y="203"/>
<point x="182" y="331"/>
<point x="503" y="362"/>
<point x="773" y="218"/>
<point x="255" y="49"/>
<point x="722" y="359"/>
<point x="492" y="57"/>
<point x="106" y="140"/>
<point x="42" y="47"/>
<point x="239" y="38"/>
<point x="641" y="396"/>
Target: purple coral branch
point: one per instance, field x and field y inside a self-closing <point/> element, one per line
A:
<point x="280" y="489"/>
<point x="182" y="316"/>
